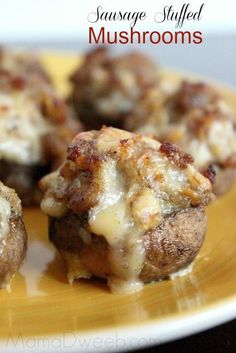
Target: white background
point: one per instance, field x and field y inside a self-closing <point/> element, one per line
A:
<point x="63" y="25"/>
<point x="47" y="20"/>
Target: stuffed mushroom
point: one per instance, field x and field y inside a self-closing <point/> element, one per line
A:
<point x="35" y="127"/>
<point x="13" y="237"/>
<point x="198" y="120"/>
<point x="125" y="208"/>
<point x="105" y="88"/>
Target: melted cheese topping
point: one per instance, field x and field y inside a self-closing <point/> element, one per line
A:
<point x="110" y="206"/>
<point x="75" y="269"/>
<point x="137" y="188"/>
<point x="126" y="210"/>
<point x="111" y="218"/>
<point x="5" y="212"/>
<point x="52" y="207"/>
<point x="182" y="272"/>
<point x="49" y="205"/>
<point x="216" y="142"/>
<point x="21" y="128"/>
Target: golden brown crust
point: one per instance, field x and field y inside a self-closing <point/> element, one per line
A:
<point x="136" y="158"/>
<point x="175" y="155"/>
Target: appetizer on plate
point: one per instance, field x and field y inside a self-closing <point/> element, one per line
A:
<point x="13" y="237"/>
<point x="125" y="208"/>
<point x="198" y="120"/>
<point x="35" y="127"/>
<point x="105" y="88"/>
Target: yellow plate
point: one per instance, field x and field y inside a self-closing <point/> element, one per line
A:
<point x="43" y="313"/>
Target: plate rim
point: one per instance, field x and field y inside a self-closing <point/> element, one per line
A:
<point x="170" y="328"/>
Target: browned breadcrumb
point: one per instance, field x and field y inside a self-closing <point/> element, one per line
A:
<point x="136" y="158"/>
<point x="84" y="154"/>
<point x="174" y="154"/>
